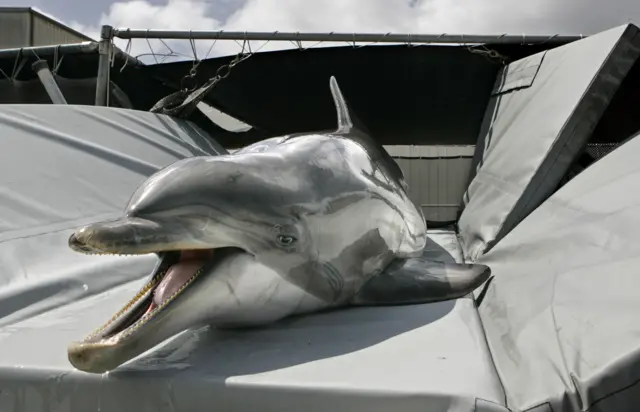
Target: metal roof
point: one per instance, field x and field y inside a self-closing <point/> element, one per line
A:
<point x="50" y="19"/>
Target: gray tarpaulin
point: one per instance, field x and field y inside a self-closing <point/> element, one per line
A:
<point x="543" y="110"/>
<point x="63" y="166"/>
<point x="557" y="328"/>
<point x="562" y="315"/>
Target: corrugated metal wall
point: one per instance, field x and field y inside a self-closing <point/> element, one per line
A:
<point x="46" y="32"/>
<point x="14" y="29"/>
<point x="24" y="27"/>
<point x="436" y="175"/>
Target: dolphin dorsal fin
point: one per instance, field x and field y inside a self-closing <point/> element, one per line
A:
<point x="345" y="123"/>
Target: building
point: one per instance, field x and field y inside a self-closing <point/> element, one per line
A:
<point x="26" y="27"/>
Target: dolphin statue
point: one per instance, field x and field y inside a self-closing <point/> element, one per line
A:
<point x="287" y="226"/>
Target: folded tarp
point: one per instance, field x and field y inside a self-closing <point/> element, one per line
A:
<point x="63" y="166"/>
<point x="543" y="110"/>
<point x="562" y="313"/>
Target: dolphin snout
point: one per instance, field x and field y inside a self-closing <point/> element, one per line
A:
<point x="78" y="245"/>
<point x="98" y="357"/>
<point x="123" y="236"/>
<point x="84" y="240"/>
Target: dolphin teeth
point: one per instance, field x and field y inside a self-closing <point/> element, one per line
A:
<point x="139" y="295"/>
<point x="131" y="329"/>
<point x="153" y="282"/>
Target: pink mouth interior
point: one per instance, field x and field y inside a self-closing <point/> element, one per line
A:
<point x="178" y="274"/>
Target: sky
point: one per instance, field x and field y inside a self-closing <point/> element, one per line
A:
<point x="399" y="16"/>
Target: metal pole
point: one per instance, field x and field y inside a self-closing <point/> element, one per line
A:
<point x="102" y="81"/>
<point x="42" y="70"/>
<point x="343" y="37"/>
<point x="61" y="49"/>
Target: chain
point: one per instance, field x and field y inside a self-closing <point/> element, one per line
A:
<point x="184" y="101"/>
<point x="222" y="73"/>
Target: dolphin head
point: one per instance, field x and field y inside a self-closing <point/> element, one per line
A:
<point x="194" y="214"/>
<point x="268" y="206"/>
<point x="206" y="203"/>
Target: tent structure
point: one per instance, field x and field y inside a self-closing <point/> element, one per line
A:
<point x="449" y="84"/>
<point x="554" y="330"/>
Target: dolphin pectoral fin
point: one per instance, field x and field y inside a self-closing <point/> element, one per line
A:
<point x="417" y="280"/>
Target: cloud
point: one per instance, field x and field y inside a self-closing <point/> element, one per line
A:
<point x="173" y="15"/>
<point x="406" y="16"/>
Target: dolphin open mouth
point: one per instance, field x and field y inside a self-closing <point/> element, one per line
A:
<point x="118" y="340"/>
<point x="176" y="271"/>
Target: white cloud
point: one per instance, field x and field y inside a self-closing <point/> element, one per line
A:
<point x="173" y="15"/>
<point x="408" y="16"/>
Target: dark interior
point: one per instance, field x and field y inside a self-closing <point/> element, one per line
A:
<point x="403" y="94"/>
<point x="620" y="122"/>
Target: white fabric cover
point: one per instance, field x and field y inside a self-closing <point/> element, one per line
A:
<point x="562" y="312"/>
<point x="63" y="166"/>
<point x="542" y="112"/>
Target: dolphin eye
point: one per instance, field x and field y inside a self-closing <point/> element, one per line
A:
<point x="286" y="240"/>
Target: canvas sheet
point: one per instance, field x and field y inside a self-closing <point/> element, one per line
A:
<point x="542" y="111"/>
<point x="561" y="314"/>
<point x="64" y="166"/>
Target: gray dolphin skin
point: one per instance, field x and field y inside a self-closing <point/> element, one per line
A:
<point x="287" y="226"/>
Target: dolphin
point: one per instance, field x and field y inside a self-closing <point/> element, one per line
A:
<point x="287" y="226"/>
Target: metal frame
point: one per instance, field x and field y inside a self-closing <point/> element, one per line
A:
<point x="105" y="49"/>
<point x="342" y="37"/>
<point x="108" y="52"/>
<point x="61" y="49"/>
<point x="108" y="33"/>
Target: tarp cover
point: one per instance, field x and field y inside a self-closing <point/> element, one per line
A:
<point x="543" y="110"/>
<point x="561" y="314"/>
<point x="64" y="166"/>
